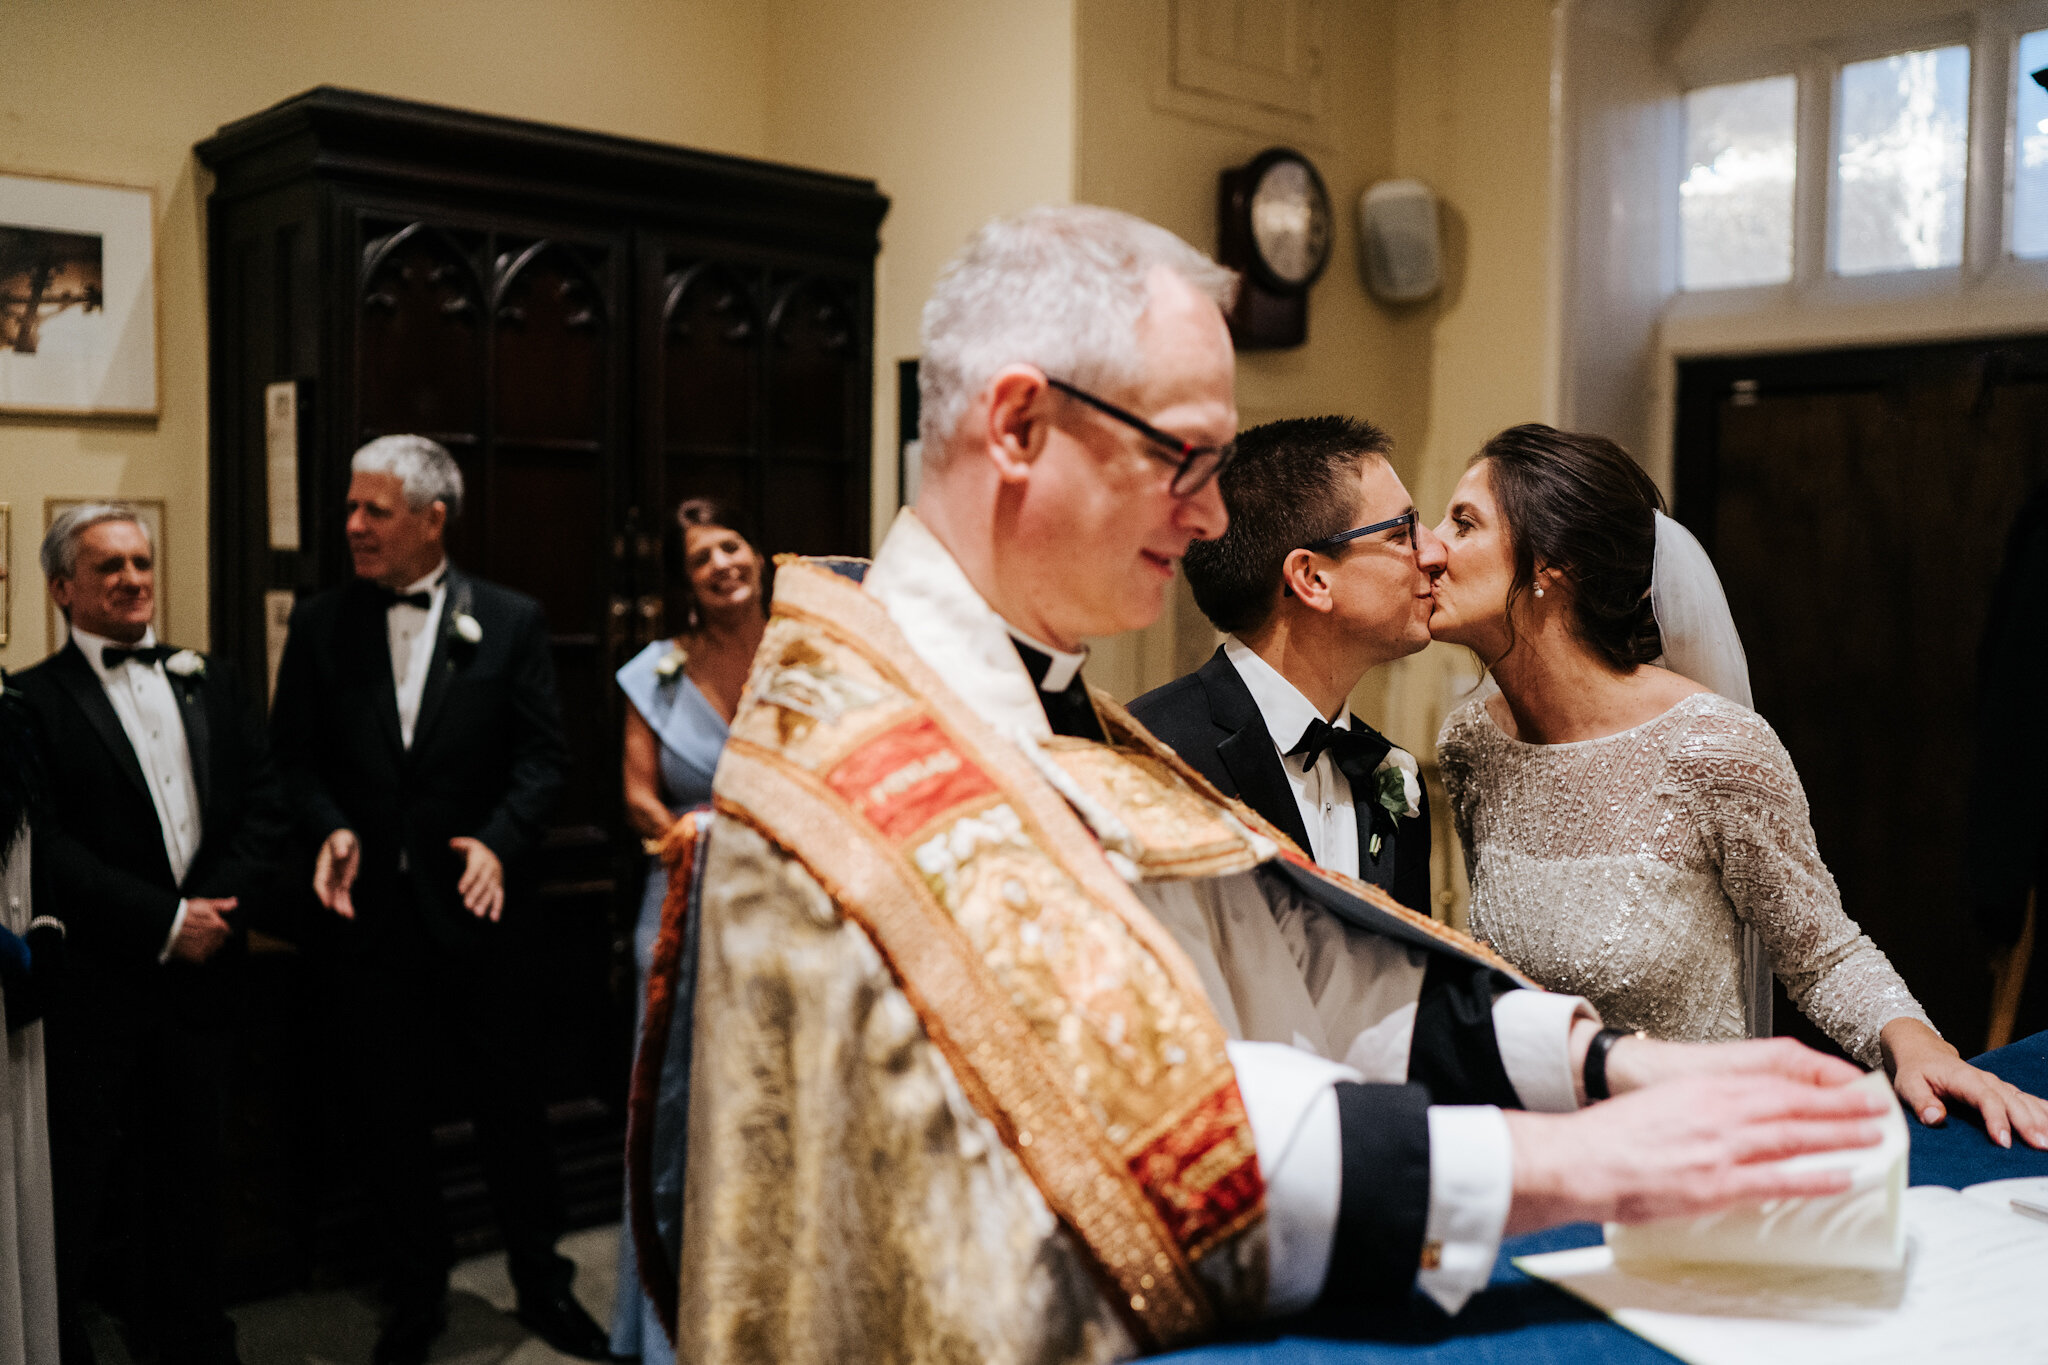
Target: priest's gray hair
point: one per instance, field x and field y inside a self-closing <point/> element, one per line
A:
<point x="59" y="554"/>
<point x="1059" y="287"/>
<point x="425" y="468"/>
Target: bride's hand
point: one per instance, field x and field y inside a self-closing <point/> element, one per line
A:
<point x="1926" y="1071"/>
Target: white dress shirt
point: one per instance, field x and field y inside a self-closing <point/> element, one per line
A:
<point x="1323" y="793"/>
<point x="1306" y="1001"/>
<point x="412" y="633"/>
<point x="141" y="696"/>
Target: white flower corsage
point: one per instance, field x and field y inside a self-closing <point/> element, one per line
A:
<point x="1399" y="783"/>
<point x="670" y="665"/>
<point x="467" y="628"/>
<point x="185" y="664"/>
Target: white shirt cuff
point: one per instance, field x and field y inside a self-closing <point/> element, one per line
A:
<point x="1289" y="1099"/>
<point x="1471" y="1184"/>
<point x="1534" y="1031"/>
<point x="171" y="939"/>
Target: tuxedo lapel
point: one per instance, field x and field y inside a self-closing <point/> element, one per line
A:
<point x="368" y="647"/>
<point x="441" y="666"/>
<point x="191" y="699"/>
<point x="1365" y="806"/>
<point x="1247" y="751"/>
<point x="83" y="684"/>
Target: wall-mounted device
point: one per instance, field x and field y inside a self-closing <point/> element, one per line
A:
<point x="1273" y="227"/>
<point x="1399" y="246"/>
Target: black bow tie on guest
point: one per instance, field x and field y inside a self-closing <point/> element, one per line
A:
<point x="1357" y="752"/>
<point x="423" y="599"/>
<point x="113" y="656"/>
<point x="1069" y="710"/>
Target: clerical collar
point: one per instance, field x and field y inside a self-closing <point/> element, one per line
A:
<point x="1054" y="670"/>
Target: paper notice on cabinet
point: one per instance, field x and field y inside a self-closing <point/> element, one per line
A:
<point x="281" y="448"/>
<point x="1972" y="1289"/>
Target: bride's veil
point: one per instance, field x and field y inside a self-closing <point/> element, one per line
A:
<point x="1692" y="615"/>
<point x="1700" y="642"/>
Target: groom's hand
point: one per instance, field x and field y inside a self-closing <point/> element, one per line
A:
<point x="1682" y="1148"/>
<point x="1636" y="1063"/>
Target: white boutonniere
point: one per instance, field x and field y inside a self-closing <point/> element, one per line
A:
<point x="467" y="629"/>
<point x="670" y="665"/>
<point x="1398" y="780"/>
<point x="185" y="664"/>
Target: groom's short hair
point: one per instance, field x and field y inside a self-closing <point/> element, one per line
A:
<point x="1293" y="482"/>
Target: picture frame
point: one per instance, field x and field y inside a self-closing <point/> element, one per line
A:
<point x="78" y="310"/>
<point x="150" y="511"/>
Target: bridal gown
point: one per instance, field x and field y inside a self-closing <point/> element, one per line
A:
<point x="1619" y="869"/>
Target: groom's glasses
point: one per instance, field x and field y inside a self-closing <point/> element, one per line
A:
<point x="1193" y="465"/>
<point x="1406" y="521"/>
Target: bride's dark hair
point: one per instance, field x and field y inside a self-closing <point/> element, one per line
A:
<point x="1579" y="504"/>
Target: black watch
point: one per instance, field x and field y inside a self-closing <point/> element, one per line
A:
<point x="1596" y="1060"/>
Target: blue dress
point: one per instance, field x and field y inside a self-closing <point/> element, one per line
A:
<point x="691" y="734"/>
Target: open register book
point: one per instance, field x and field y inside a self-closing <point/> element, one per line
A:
<point x="1881" y="1273"/>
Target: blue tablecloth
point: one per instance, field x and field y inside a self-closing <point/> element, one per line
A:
<point x="1517" y="1319"/>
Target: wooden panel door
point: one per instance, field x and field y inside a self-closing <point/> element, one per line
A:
<point x="1857" y="504"/>
<point x="507" y="345"/>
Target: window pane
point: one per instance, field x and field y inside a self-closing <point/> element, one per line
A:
<point x="1735" y="203"/>
<point x="1905" y="130"/>
<point x="2030" y="146"/>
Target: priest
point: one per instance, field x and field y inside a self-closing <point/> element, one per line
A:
<point x="984" y="1028"/>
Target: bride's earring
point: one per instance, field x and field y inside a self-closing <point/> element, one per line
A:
<point x="1539" y="592"/>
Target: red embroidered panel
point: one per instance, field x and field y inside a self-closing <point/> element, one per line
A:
<point x="905" y="777"/>
<point x="1203" y="1173"/>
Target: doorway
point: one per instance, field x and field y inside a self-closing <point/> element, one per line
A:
<point x="1857" y="504"/>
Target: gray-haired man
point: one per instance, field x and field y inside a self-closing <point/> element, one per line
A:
<point x="165" y="831"/>
<point x="418" y="733"/>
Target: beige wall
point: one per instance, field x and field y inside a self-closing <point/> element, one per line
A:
<point x="117" y="91"/>
<point x="1139" y="154"/>
<point x="959" y="112"/>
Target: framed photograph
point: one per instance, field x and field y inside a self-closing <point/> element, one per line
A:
<point x="150" y="512"/>
<point x="77" y="298"/>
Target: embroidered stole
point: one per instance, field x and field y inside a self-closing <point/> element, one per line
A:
<point x="1073" y="1022"/>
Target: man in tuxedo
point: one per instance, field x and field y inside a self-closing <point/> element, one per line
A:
<point x="1323" y="575"/>
<point x="166" y="825"/>
<point x="419" y="736"/>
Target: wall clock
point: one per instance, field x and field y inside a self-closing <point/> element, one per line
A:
<point x="1274" y="228"/>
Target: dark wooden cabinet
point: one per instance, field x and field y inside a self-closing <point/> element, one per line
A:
<point x="596" y="327"/>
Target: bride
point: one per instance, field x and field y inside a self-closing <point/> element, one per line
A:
<point x="1628" y="825"/>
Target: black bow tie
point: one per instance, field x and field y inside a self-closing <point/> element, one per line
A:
<point x="113" y="656"/>
<point x="1069" y="710"/>
<point x="1356" y="751"/>
<point x="423" y="599"/>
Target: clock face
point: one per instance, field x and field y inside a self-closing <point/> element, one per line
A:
<point x="1291" y="222"/>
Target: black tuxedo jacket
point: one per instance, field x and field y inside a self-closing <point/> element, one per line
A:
<point x="103" y="846"/>
<point x="487" y="759"/>
<point x="1210" y="719"/>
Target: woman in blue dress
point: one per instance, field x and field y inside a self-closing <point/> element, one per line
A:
<point x="683" y="692"/>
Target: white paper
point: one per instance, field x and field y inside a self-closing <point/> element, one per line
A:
<point x="1974" y="1288"/>
<point x="281" y="442"/>
<point x="2027" y="1194"/>
<point x="1862" y="1228"/>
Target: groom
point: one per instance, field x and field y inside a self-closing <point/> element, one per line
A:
<point x="1323" y="575"/>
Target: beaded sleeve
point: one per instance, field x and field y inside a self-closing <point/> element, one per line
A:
<point x="1741" y="788"/>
